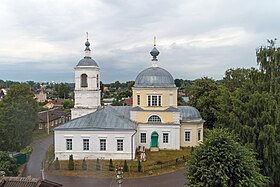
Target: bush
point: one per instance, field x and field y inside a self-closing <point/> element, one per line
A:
<point x="56" y="164"/>
<point x="84" y="165"/>
<point x="28" y="149"/>
<point x="125" y="166"/>
<point x="71" y="163"/>
<point x="98" y="166"/>
<point x="139" y="167"/>
<point x="111" y="167"/>
<point x="8" y="164"/>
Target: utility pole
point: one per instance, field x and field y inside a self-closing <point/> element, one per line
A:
<point x="48" y="122"/>
<point x="119" y="173"/>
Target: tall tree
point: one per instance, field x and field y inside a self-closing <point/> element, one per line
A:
<point x="268" y="58"/>
<point x="222" y="161"/>
<point x="18" y="118"/>
<point x="202" y="96"/>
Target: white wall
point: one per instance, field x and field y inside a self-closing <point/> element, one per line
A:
<point x="172" y="130"/>
<point x="94" y="139"/>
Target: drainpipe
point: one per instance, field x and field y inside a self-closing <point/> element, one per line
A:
<point x="132" y="144"/>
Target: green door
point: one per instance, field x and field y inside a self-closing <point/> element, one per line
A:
<point x="154" y="138"/>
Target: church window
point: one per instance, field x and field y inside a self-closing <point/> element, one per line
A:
<point x="138" y="100"/>
<point x="102" y="144"/>
<point x="97" y="81"/>
<point x="143" y="138"/>
<point x="68" y="144"/>
<point x="86" y="144"/>
<point x="199" y="134"/>
<point x="154" y="119"/>
<point x="165" y="137"/>
<point x="119" y="145"/>
<point x="187" y="136"/>
<point x="154" y="100"/>
<point x="84" y="82"/>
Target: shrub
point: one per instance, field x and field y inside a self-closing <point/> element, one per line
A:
<point x="71" y="163"/>
<point x="84" y="165"/>
<point x="125" y="166"/>
<point x="56" y="164"/>
<point x="111" y="167"/>
<point x="139" y="167"/>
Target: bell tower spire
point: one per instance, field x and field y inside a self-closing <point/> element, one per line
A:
<point x="87" y="50"/>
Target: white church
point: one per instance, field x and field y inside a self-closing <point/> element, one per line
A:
<point x="154" y="121"/>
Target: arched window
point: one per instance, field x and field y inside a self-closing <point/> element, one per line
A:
<point x="97" y="81"/>
<point x="154" y="119"/>
<point x="84" y="82"/>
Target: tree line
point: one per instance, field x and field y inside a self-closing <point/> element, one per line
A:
<point x="247" y="102"/>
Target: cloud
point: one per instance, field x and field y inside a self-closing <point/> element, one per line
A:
<point x="195" y="37"/>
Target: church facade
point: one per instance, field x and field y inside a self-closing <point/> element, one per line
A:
<point x="154" y="121"/>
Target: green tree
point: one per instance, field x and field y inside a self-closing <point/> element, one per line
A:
<point x="8" y="164"/>
<point x="71" y="163"/>
<point x="125" y="166"/>
<point x="111" y="167"/>
<point x="202" y="96"/>
<point x="68" y="104"/>
<point x="56" y="164"/>
<point x="268" y="57"/>
<point x="98" y="165"/>
<point x="222" y="161"/>
<point x="18" y="118"/>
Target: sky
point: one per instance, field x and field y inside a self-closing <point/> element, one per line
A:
<point x="43" y="40"/>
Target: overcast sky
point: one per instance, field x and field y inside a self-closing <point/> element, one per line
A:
<point x="43" y="40"/>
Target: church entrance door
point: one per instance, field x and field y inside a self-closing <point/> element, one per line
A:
<point x="154" y="139"/>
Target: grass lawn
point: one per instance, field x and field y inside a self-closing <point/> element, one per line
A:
<point x="154" y="160"/>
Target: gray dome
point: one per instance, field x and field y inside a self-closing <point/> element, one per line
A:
<point x="87" y="61"/>
<point x="189" y="113"/>
<point x="154" y="77"/>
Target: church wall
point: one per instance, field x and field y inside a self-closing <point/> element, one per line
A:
<point x="78" y="112"/>
<point x="172" y="130"/>
<point x="91" y="73"/>
<point x="166" y="117"/>
<point x="94" y="144"/>
<point x="166" y="95"/>
<point x="87" y="99"/>
<point x="193" y="129"/>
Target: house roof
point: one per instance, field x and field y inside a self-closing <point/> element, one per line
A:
<point x="52" y="114"/>
<point x="105" y="118"/>
<point x="27" y="182"/>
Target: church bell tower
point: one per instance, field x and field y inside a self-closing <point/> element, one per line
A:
<point x="87" y="85"/>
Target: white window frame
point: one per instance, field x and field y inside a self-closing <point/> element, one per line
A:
<point x="40" y="126"/>
<point x="143" y="142"/>
<point x="69" y="144"/>
<point x="154" y="100"/>
<point x="103" y="144"/>
<point x="190" y="136"/>
<point x="86" y="144"/>
<point x="165" y="138"/>
<point x="119" y="144"/>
